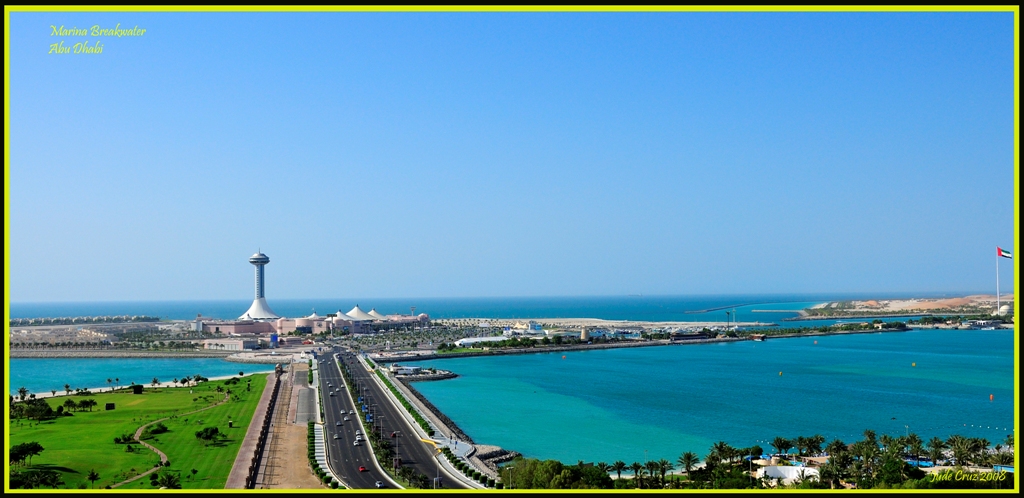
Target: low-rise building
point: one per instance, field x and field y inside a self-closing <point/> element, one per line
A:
<point x="233" y="344"/>
<point x="403" y="370"/>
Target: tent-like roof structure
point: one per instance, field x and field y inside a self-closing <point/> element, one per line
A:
<point x="259" y="311"/>
<point x="314" y="316"/>
<point x="359" y="315"/>
<point x="340" y="316"/>
<point x="376" y="315"/>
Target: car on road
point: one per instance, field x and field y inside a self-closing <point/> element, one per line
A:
<point x="332" y="394"/>
<point x="394" y="434"/>
<point x="356" y="443"/>
<point x="362" y="469"/>
<point x="337" y="436"/>
<point x="346" y="418"/>
<point x="350" y="412"/>
<point x="379" y="484"/>
<point x="337" y="423"/>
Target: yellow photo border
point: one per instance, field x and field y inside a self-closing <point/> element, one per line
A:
<point x="8" y="9"/>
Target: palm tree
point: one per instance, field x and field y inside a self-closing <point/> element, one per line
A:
<point x="915" y="446"/>
<point x="960" y="447"/>
<point x="935" y="447"/>
<point x="155" y="382"/>
<point x="194" y="472"/>
<point x="638" y="469"/>
<point x="67" y="388"/>
<point x="109" y="381"/>
<point x="868" y="453"/>
<point x="781" y="445"/>
<point x="835" y="447"/>
<point x="664" y="466"/>
<point x="869" y="436"/>
<point x="603" y="467"/>
<point x="722" y="450"/>
<point x="169" y="481"/>
<point x="687" y="461"/>
<point x="53" y="392"/>
<point x="93" y="477"/>
<point x="117" y="383"/>
<point x="814" y="443"/>
<point x="22" y="393"/>
<point x="618" y="467"/>
<point x="801" y="444"/>
<point x="979" y="448"/>
<point x="831" y="471"/>
<point x="887" y="442"/>
<point x="652" y="470"/>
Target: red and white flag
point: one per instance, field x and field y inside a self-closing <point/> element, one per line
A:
<point x="1004" y="253"/>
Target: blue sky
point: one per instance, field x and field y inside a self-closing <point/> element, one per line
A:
<point x="510" y="154"/>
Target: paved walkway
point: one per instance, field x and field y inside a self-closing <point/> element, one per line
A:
<point x="240" y="469"/>
<point x="163" y="457"/>
<point x="286" y="465"/>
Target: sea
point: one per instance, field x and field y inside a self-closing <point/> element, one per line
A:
<point x="748" y="308"/>
<point x="635" y="404"/>
<point x="42" y="375"/>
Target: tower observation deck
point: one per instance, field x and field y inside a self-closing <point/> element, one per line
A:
<point x="259" y="310"/>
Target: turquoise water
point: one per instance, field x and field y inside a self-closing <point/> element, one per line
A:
<point x="646" y="308"/>
<point x="615" y="404"/>
<point x="41" y="375"/>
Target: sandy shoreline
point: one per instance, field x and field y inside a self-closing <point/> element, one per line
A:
<point x="101" y="353"/>
<point x="169" y="385"/>
<point x="600" y="322"/>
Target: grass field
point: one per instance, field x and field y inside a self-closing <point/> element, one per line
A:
<point x="85" y="441"/>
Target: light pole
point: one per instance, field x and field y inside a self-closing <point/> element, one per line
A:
<point x="437" y="457"/>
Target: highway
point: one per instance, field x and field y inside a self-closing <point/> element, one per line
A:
<point x="344" y="458"/>
<point x="413" y="452"/>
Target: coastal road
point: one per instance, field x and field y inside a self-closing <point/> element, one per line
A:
<point x="344" y="458"/>
<point x="413" y="452"/>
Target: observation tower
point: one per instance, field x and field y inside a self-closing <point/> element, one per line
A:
<point x="259" y="309"/>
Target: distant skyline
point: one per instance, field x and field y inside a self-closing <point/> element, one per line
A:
<point x="511" y="154"/>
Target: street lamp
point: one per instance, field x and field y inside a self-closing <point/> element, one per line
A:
<point x="437" y="460"/>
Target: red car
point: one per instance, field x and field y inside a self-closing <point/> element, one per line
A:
<point x="362" y="469"/>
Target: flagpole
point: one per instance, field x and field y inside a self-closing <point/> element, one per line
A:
<point x="997" y="282"/>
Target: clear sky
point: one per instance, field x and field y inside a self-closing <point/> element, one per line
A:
<point x="510" y="154"/>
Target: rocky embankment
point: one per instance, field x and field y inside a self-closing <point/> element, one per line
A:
<point x="438" y="414"/>
<point x="491" y="456"/>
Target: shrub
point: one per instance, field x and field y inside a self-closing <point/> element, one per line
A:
<point x="499" y="485"/>
<point x="334" y="485"/>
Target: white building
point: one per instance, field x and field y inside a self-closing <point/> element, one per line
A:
<point x="235" y="344"/>
<point x="462" y="343"/>
<point x="400" y="370"/>
<point x="787" y="474"/>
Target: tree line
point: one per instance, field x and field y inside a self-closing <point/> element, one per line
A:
<point x="874" y="462"/>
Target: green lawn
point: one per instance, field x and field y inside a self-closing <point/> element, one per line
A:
<point x="83" y="442"/>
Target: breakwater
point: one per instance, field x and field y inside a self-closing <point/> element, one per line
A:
<point x="809" y="317"/>
<point x="452" y="427"/>
<point x="577" y="347"/>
